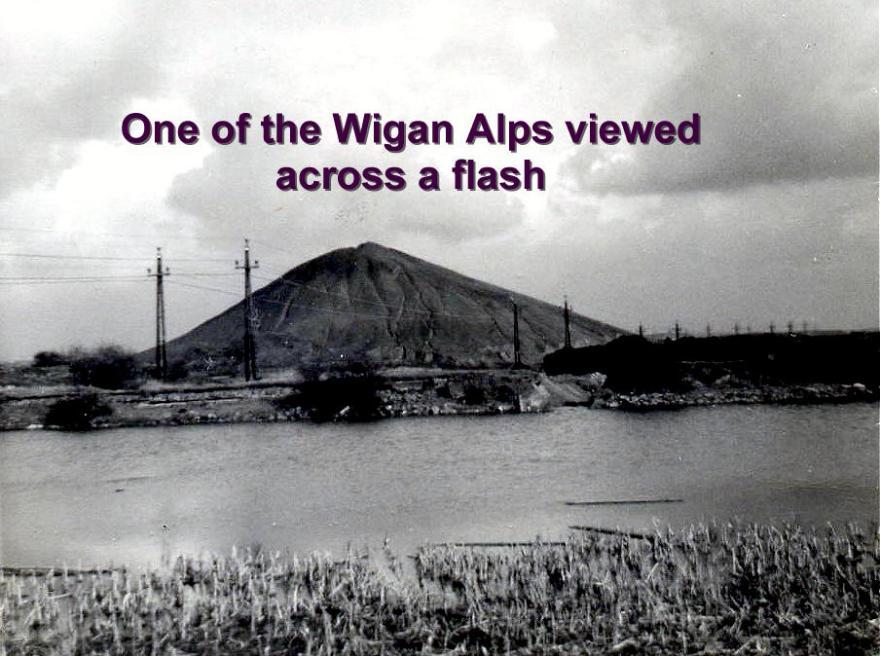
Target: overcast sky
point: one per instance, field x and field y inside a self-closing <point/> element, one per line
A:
<point x="772" y="218"/>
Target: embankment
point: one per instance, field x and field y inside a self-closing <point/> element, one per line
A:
<point x="352" y="398"/>
<point x="359" y="398"/>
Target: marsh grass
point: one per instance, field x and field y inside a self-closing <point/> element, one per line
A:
<point x="709" y="589"/>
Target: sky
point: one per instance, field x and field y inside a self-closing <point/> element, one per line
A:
<point x="773" y="217"/>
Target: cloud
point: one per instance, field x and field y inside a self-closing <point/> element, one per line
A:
<point x="68" y="75"/>
<point x="786" y="92"/>
<point x="775" y="252"/>
<point x="251" y="202"/>
<point x="786" y="172"/>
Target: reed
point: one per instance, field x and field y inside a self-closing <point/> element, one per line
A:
<point x="711" y="589"/>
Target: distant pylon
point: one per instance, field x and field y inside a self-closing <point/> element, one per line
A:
<point x="708" y="330"/>
<point x="736" y="329"/>
<point x="161" y="352"/>
<point x="567" y="315"/>
<point x="250" y="340"/>
<point x="641" y="331"/>
<point x="677" y="331"/>
<point x="516" y="356"/>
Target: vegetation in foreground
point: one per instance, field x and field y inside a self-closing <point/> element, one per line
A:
<point x="708" y="590"/>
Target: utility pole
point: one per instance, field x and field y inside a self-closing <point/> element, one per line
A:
<point x="641" y="331"/>
<point x="736" y="329"/>
<point x="161" y="354"/>
<point x="516" y="357"/>
<point x="250" y="341"/>
<point x="772" y="328"/>
<point x="677" y="331"/>
<point x="708" y="330"/>
<point x="567" y="315"/>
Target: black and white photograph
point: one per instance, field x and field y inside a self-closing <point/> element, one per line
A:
<point x="462" y="327"/>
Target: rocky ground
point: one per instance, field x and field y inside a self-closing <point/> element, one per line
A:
<point x="788" y="395"/>
<point x="396" y="393"/>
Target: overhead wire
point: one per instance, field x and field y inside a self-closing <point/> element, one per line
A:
<point x="21" y="280"/>
<point x="410" y="315"/>
<point x="361" y="299"/>
<point x="109" y="258"/>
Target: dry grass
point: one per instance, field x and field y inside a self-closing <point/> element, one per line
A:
<point x="709" y="590"/>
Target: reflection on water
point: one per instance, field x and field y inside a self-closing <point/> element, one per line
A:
<point x="133" y="495"/>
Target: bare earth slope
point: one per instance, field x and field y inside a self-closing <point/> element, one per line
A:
<point x="376" y="304"/>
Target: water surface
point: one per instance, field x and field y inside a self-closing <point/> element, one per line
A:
<point x="134" y="495"/>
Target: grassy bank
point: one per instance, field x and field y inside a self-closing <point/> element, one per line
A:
<point x="709" y="590"/>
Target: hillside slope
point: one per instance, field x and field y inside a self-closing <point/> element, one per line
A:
<point x="376" y="304"/>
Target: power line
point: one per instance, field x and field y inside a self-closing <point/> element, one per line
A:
<point x="64" y="279"/>
<point x="411" y="315"/>
<point x="228" y="237"/>
<point x="361" y="299"/>
<point x="29" y="283"/>
<point x="15" y="281"/>
<point x="204" y="288"/>
<point x="47" y="256"/>
<point x="315" y="308"/>
<point x="207" y="275"/>
<point x="398" y="316"/>
<point x="109" y="258"/>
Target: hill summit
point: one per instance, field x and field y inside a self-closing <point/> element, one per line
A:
<point x="373" y="304"/>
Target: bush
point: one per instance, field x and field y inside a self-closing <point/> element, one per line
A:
<point x="350" y="399"/>
<point x="474" y="395"/>
<point x="506" y="394"/>
<point x="109" y="367"/>
<point x="77" y="413"/>
<point x="49" y="359"/>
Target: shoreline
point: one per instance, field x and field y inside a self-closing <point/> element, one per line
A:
<point x="816" y="394"/>
<point x="450" y="393"/>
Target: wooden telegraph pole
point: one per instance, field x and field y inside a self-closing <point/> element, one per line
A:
<point x="517" y="361"/>
<point x="250" y="340"/>
<point x="161" y="353"/>
<point x="567" y="316"/>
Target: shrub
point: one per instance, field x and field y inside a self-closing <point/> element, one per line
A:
<point x="49" y="359"/>
<point x="474" y="395"/>
<point x="77" y="413"/>
<point x="350" y="399"/>
<point x="109" y="367"/>
<point x="506" y="394"/>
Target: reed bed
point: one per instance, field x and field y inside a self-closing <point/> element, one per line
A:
<point x="707" y="590"/>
